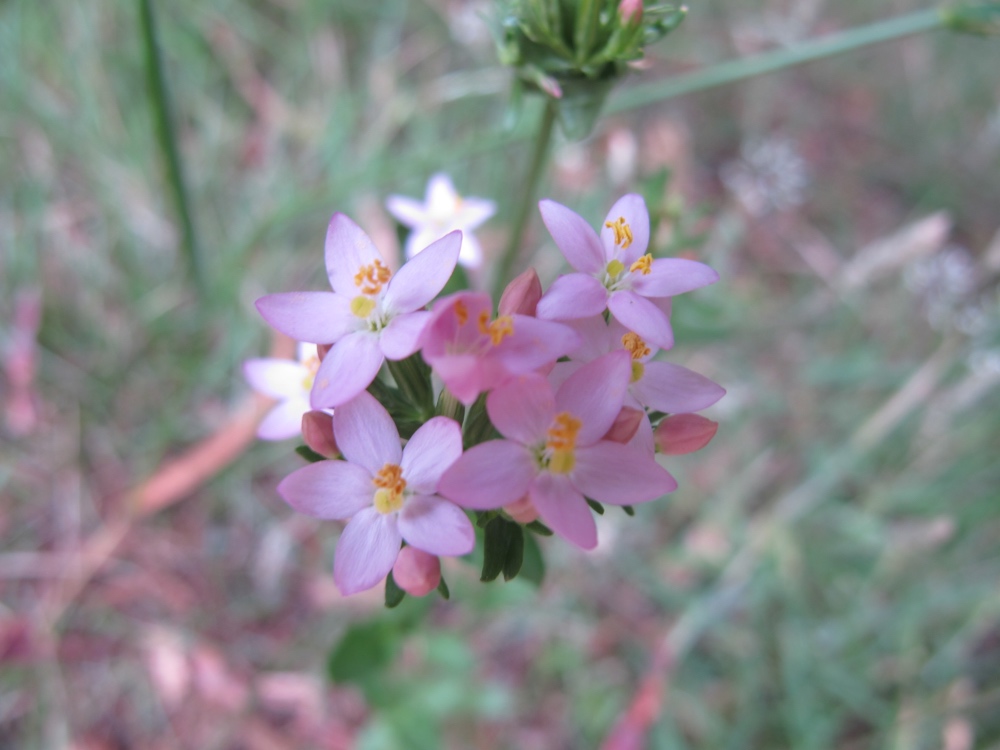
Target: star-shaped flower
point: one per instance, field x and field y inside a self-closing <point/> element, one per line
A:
<point x="289" y="381"/>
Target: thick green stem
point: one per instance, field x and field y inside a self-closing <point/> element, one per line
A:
<point x="769" y="62"/>
<point x="528" y="189"/>
<point x="165" y="134"/>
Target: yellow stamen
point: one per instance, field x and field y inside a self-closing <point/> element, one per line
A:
<point x="390" y="483"/>
<point x="371" y="278"/>
<point x="643" y="264"/>
<point x="623" y="232"/>
<point x="461" y="312"/>
<point x="562" y="442"/>
<point x="498" y="330"/>
<point x="362" y="306"/>
<point x="614" y="268"/>
<point x="635" y="345"/>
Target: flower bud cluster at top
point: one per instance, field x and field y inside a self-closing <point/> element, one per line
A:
<point x="535" y="413"/>
<point x="574" y="50"/>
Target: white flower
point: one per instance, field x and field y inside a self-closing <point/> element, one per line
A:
<point x="442" y="211"/>
<point x="289" y="381"/>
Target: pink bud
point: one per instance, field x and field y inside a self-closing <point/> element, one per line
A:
<point x="317" y="431"/>
<point x="630" y="11"/>
<point x="625" y="426"/>
<point x="522" y="510"/>
<point x="684" y="433"/>
<point x="521" y="295"/>
<point x="417" y="572"/>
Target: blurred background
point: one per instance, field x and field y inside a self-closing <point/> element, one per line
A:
<point x="828" y="573"/>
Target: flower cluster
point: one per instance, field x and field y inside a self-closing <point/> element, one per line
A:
<point x="532" y="416"/>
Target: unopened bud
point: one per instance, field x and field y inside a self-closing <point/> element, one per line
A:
<point x="522" y="511"/>
<point x="317" y="431"/>
<point x="625" y="426"/>
<point x="322" y="350"/>
<point x="521" y="295"/>
<point x="417" y="572"/>
<point x="630" y="12"/>
<point x="684" y="433"/>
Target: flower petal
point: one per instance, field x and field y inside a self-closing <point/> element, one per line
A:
<point x="348" y="368"/>
<point x="564" y="510"/>
<point x="366" y="434"/>
<point x="670" y="276"/>
<point x="595" y="394"/>
<point x="620" y="474"/>
<point x="474" y="211"/>
<point x="366" y="551"/>
<point x="598" y="337"/>
<point x="348" y="248"/>
<point x="642" y="316"/>
<point x="574" y="237"/>
<point x="423" y="276"/>
<point x="535" y="343"/>
<point x="436" y="526"/>
<point x="316" y="317"/>
<point x="277" y="378"/>
<point x="284" y="420"/>
<point x="631" y="208"/>
<point x="328" y="489"/>
<point x="409" y="212"/>
<point x="522" y="409"/>
<point x="674" y="389"/>
<point x="489" y="475"/>
<point x="574" y="295"/>
<point x="434" y="447"/>
<point x="401" y="337"/>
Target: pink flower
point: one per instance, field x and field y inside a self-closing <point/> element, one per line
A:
<point x="389" y="493"/>
<point x="554" y="454"/>
<point x="371" y="314"/>
<point x="615" y="272"/>
<point x="289" y="382"/>
<point x="417" y="572"/>
<point x="473" y="353"/>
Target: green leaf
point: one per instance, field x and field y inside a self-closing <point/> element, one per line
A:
<point x="443" y="589"/>
<point x="629" y="510"/>
<point x="515" y="553"/>
<point x="598" y="508"/>
<point x="393" y="594"/>
<point x="364" y="650"/>
<point x="539" y="528"/>
<point x="533" y="566"/>
<point x="496" y="543"/>
<point x="309" y="454"/>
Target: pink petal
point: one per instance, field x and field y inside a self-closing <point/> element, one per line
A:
<point x="348" y="248"/>
<point x="632" y="208"/>
<point x="522" y="409"/>
<point x="366" y="434"/>
<point x="348" y="368"/>
<point x="489" y="475"/>
<point x="573" y="236"/>
<point x="670" y="276"/>
<point x="416" y="572"/>
<point x="464" y="375"/>
<point x="674" y="389"/>
<point x="595" y="394"/>
<point x="434" y="447"/>
<point x="277" y="378"/>
<point x="642" y="316"/>
<point x="316" y="317"/>
<point x="423" y="276"/>
<point x="366" y="551"/>
<point x="619" y="474"/>
<point x="401" y="337"/>
<point x="284" y="420"/>
<point x="561" y="371"/>
<point x="409" y="212"/>
<point x="535" y="343"/>
<point x="436" y="526"/>
<point x="574" y="295"/>
<point x="598" y="337"/>
<point x="328" y="489"/>
<point x="564" y="510"/>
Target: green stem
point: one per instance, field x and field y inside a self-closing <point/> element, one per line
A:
<point x="160" y="102"/>
<point x="769" y="62"/>
<point x="538" y="157"/>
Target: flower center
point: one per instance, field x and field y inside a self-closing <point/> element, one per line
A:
<point x="623" y="232"/>
<point x="614" y="269"/>
<point x="371" y="278"/>
<point x="638" y="370"/>
<point x="561" y="442"/>
<point x="362" y="306"/>
<point x="643" y="265"/>
<point x="390" y="484"/>
<point x="498" y="329"/>
<point x="635" y="346"/>
<point x="461" y="313"/>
